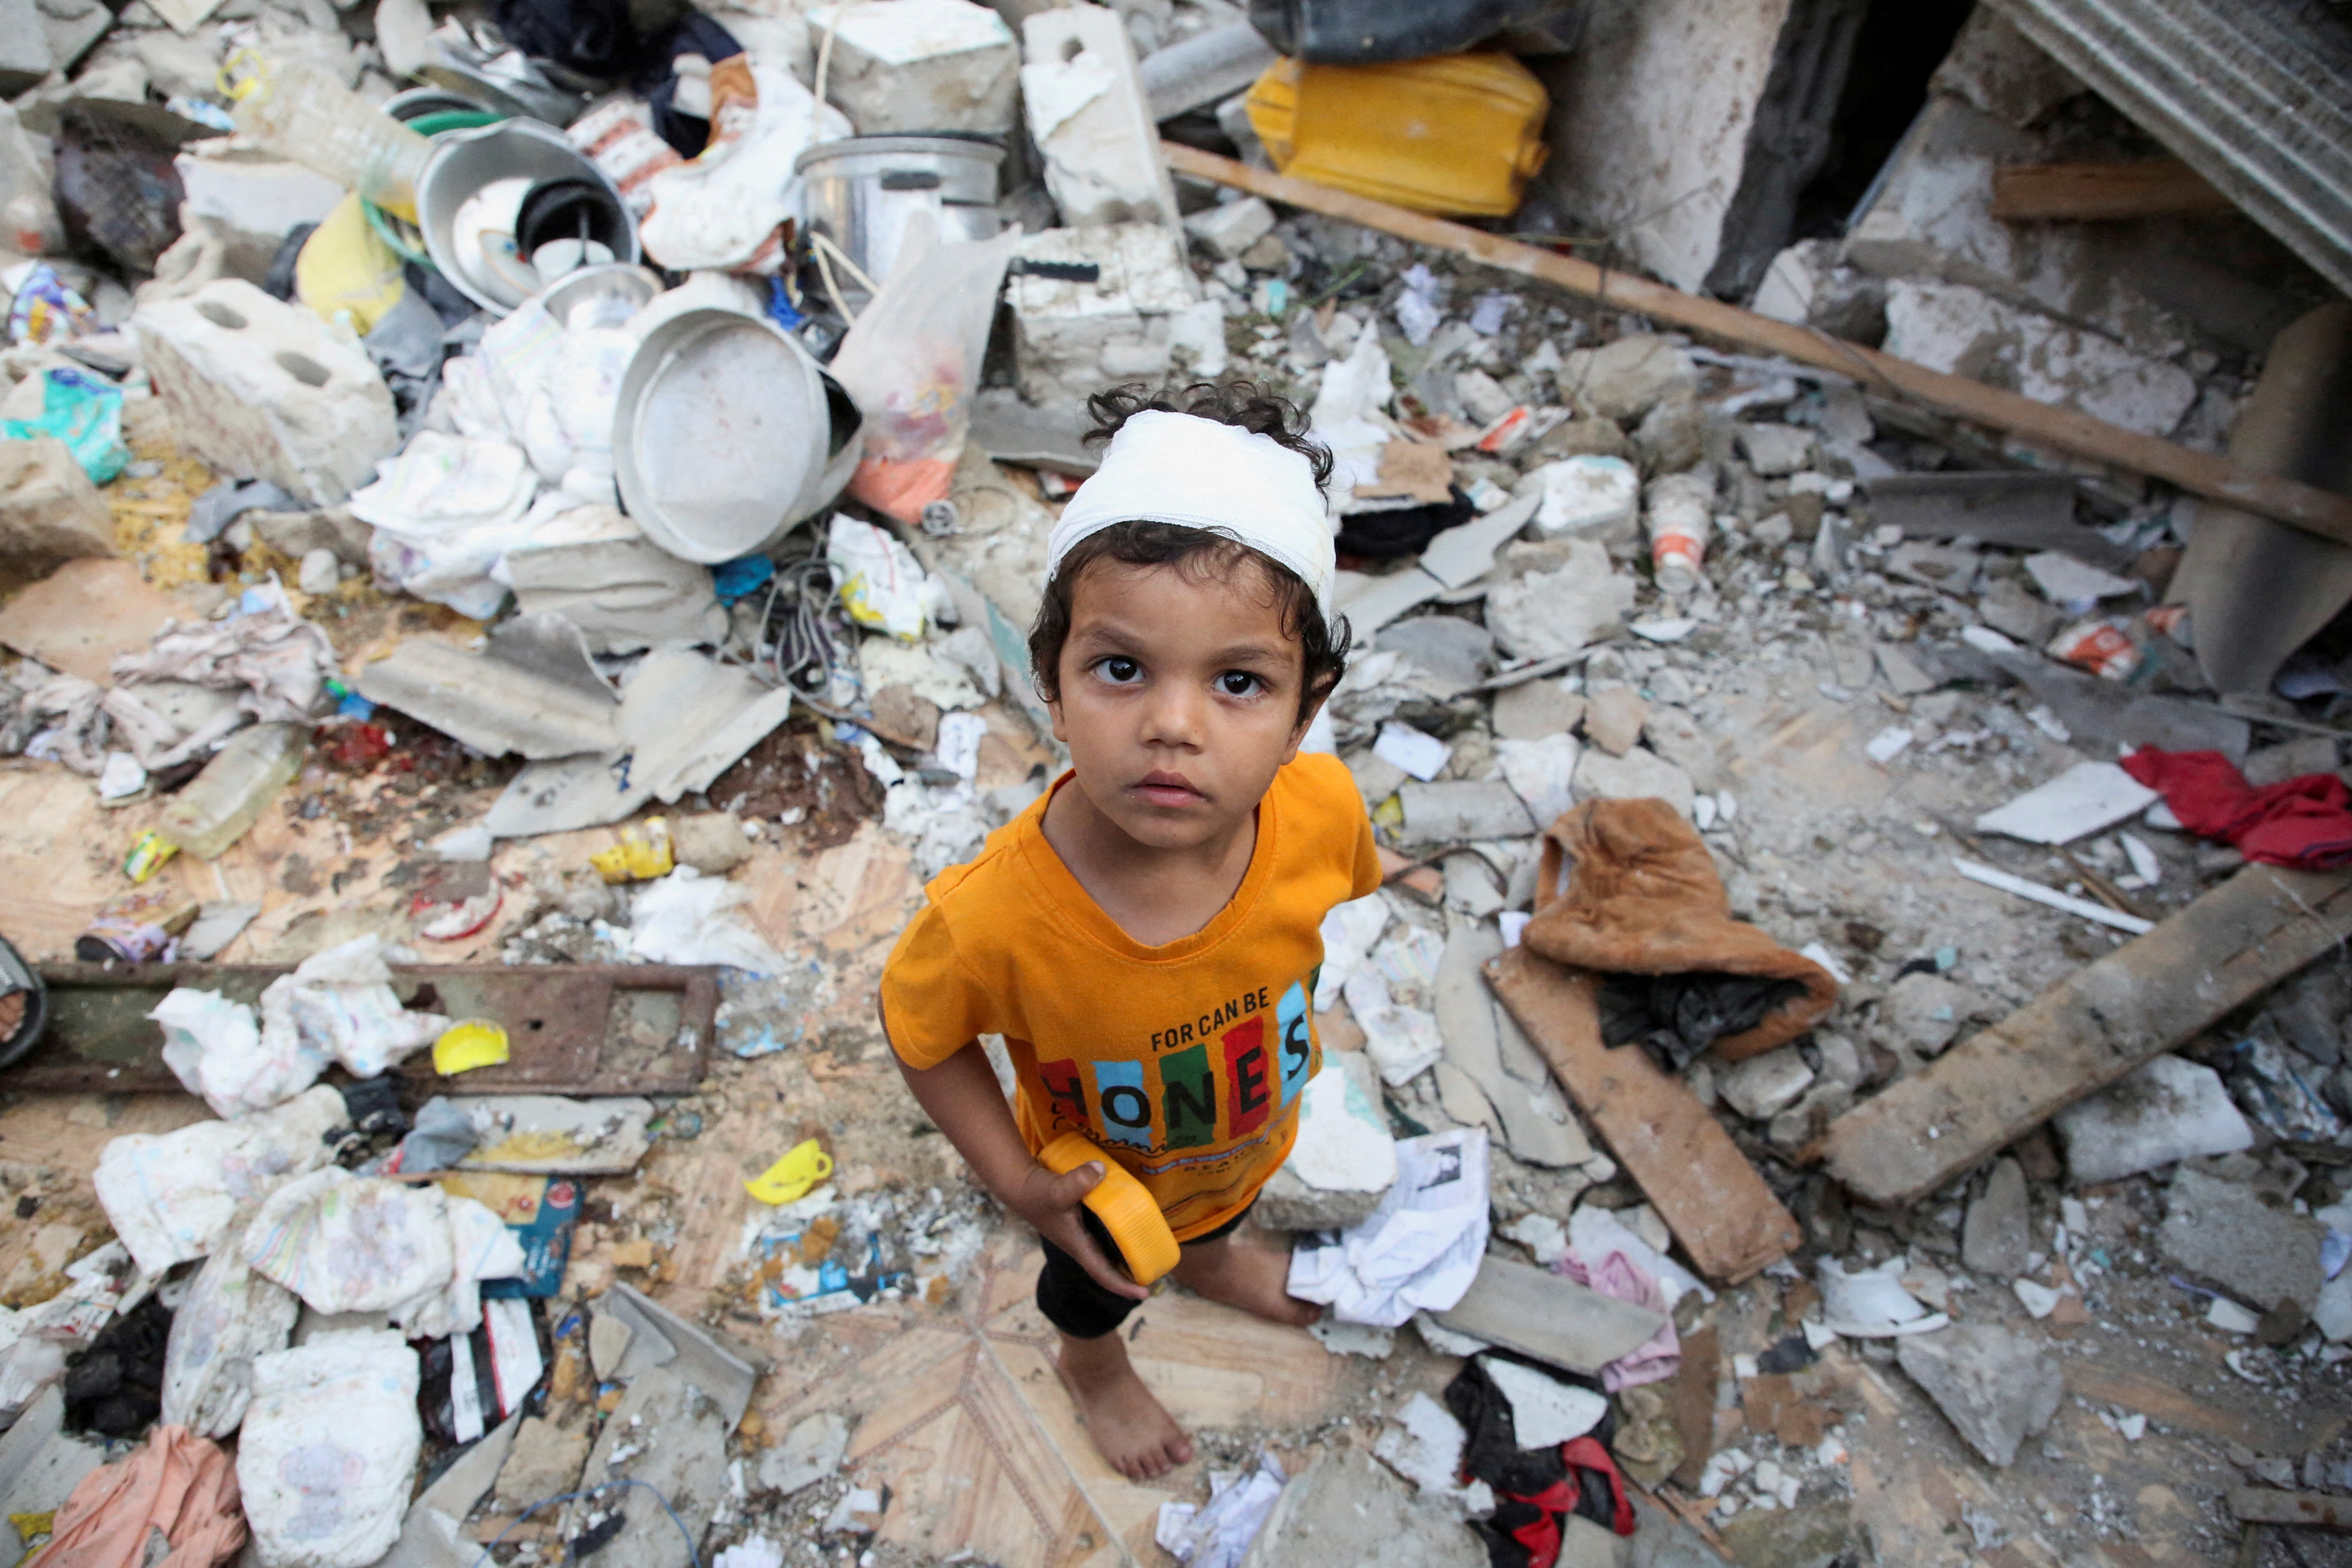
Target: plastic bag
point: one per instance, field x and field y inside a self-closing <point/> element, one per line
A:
<point x="725" y="207"/>
<point x="327" y="1454"/>
<point x="685" y="919"/>
<point x="882" y="586"/>
<point x="86" y="413"/>
<point x="173" y="1196"/>
<point x="213" y="1046"/>
<point x="912" y="363"/>
<point x="229" y="1316"/>
<point x="342" y="1004"/>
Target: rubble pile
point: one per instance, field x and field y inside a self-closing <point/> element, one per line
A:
<point x="516" y="531"/>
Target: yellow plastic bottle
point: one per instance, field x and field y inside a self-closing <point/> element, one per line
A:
<point x="1454" y="134"/>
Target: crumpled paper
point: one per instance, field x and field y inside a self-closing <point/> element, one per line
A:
<point x="1419" y="1250"/>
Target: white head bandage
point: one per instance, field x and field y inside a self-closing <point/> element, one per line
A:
<point x="1199" y="473"/>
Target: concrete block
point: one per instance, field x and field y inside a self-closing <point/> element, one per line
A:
<point x="1963" y="330"/>
<point x="1996" y="1387"/>
<point x="24" y="46"/>
<point x="1639" y="774"/>
<point x="1998" y="71"/>
<point x="1762" y="1087"/>
<point x="1090" y="117"/>
<point x="922" y="64"/>
<point x="1807" y="284"/>
<point x="2224" y="1232"/>
<point x="1627" y="379"/>
<point x="1071" y="340"/>
<point x="264" y="390"/>
<point x="1229" y="228"/>
<point x="252" y="200"/>
<point x="72" y="28"/>
<point x="49" y="511"/>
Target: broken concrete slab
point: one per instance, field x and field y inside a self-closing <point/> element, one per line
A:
<point x="429" y="1535"/>
<point x="1458" y="653"/>
<point x="1226" y="229"/>
<point x="683" y="719"/>
<point x="1548" y="1316"/>
<point x="1090" y="117"/>
<point x="2224" y="1232"/>
<point x="1535" y="710"/>
<point x="2021" y="510"/>
<point x="1613" y="717"/>
<point x="1806" y="284"/>
<point x="1764" y="1086"/>
<point x="40" y="1464"/>
<point x="49" y="510"/>
<point x="2146" y="997"/>
<point x="1811" y="1535"/>
<point x="533" y="690"/>
<point x="1071" y="336"/>
<point x="1624" y="380"/>
<point x="624" y="595"/>
<point x="2169" y="1109"/>
<point x="1210" y="66"/>
<point x="1920" y="1013"/>
<point x="1462" y="554"/>
<point x="1997" y="1387"/>
<point x="2109" y="714"/>
<point x="1552" y="614"/>
<point x="1639" y="774"/>
<point x="810" y="1452"/>
<point x="535" y="1134"/>
<point x="1371" y="602"/>
<point x="1536" y="1122"/>
<point x="1998" y="1233"/>
<point x="1347" y="1506"/>
<point x="543" y="1461"/>
<point x="923" y="68"/>
<point x="264" y="390"/>
<point x="722" y="1369"/>
<point x="668" y="1435"/>
<point x="1960" y="329"/>
<point x="1458" y="811"/>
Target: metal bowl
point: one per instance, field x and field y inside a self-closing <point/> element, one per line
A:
<point x="610" y="280"/>
<point x="860" y="192"/>
<point x="463" y="162"/>
<point x="726" y="433"/>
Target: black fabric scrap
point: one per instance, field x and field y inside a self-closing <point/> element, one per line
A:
<point x="1407" y="531"/>
<point x="114" y="1385"/>
<point x="1492" y="1454"/>
<point x="1676" y="1016"/>
<point x="1793" y="1353"/>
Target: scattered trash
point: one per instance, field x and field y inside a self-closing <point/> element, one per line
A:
<point x="463" y="1046"/>
<point x="1418" y="1249"/>
<point x="786" y="1181"/>
<point x="1218" y="1533"/>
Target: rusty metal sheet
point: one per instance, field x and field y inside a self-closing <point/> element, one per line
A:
<point x="572" y="1030"/>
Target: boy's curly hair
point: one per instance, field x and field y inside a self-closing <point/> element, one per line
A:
<point x="1205" y="551"/>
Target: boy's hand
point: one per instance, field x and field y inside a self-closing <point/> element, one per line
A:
<point x="1051" y="1203"/>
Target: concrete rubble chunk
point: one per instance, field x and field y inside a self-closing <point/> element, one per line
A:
<point x="1089" y="115"/>
<point x="1625" y="378"/>
<point x="668" y="1433"/>
<point x="1921" y="1012"/>
<point x="1807" y="285"/>
<point x="24" y="46"/>
<point x="72" y="28"/>
<point x="1998" y="1233"/>
<point x="2225" y="1232"/>
<point x="429" y="1533"/>
<point x="534" y="691"/>
<point x="49" y="511"/>
<point x="1548" y="614"/>
<point x="1217" y="63"/>
<point x="624" y="595"/>
<point x="1903" y="673"/>
<point x="1347" y="1508"/>
<point x="2008" y="608"/>
<point x="264" y="390"/>
<point x="2170" y="1109"/>
<point x="1534" y="710"/>
<point x="1811" y="1535"/>
<point x="1638" y="774"/>
<point x="1997" y="1387"/>
<point x="1548" y="1316"/>
<point x="1763" y="1086"/>
<point x="1229" y="228"/>
<point x="1535" y="1120"/>
<point x="1458" y="811"/>
<point x="1614" y="719"/>
<point x="544" y="1462"/>
<point x="921" y="66"/>
<point x="712" y="842"/>
<point x="1998" y="71"/>
<point x="811" y="1451"/>
<point x="1072" y="338"/>
<point x="1776" y="450"/>
<point x="1672" y="437"/>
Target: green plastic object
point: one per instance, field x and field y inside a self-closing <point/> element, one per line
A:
<point x="405" y="242"/>
<point x="86" y="413"/>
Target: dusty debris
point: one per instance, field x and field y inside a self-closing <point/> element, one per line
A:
<point x="1995" y="1386"/>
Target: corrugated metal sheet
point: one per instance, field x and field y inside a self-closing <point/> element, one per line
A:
<point x="2256" y="95"/>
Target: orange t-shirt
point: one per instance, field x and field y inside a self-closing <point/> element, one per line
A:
<point x="1182" y="1061"/>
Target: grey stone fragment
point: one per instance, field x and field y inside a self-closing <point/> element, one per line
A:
<point x="1346" y="1508"/>
<point x="1535" y="709"/>
<point x="712" y="842"/>
<point x="1613" y="718"/>
<point x="1903" y="672"/>
<point x="1997" y="1387"/>
<point x="1773" y="450"/>
<point x="608" y="1341"/>
<point x="429" y="1535"/>
<point x="544" y="1462"/>
<point x="1457" y="811"/>
<point x="2008" y="608"/>
<point x="1811" y="1535"/>
<point x="1921" y="1012"/>
<point x="2165" y="1110"/>
<point x="24" y="46"/>
<point x="1460" y="653"/>
<point x="1376" y="778"/>
<point x="2292" y="759"/>
<point x="1625" y="378"/>
<point x="1287" y="1202"/>
<point x="811" y="1451"/>
<point x="1672" y="437"/>
<point x="1764" y="1086"/>
<point x="1998" y="1234"/>
<point x="669" y="1435"/>
<point x="2225" y="1232"/>
<point x="1636" y="775"/>
<point x="1675" y="735"/>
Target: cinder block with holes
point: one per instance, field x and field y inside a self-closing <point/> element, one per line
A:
<point x="264" y="390"/>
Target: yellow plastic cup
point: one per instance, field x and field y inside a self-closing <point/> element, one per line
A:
<point x="463" y="1046"/>
<point x="790" y="1178"/>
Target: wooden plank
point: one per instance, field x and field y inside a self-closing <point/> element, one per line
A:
<point x="2261" y="1505"/>
<point x="2144" y="187"/>
<point x="1549" y="1316"/>
<point x="2303" y="506"/>
<point x="1694" y="1175"/>
<point x="2088" y="1030"/>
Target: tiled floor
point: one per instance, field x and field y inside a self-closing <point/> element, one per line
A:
<point x="967" y="1423"/>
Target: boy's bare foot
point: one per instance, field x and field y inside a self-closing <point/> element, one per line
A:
<point x="1255" y="1278"/>
<point x="1129" y="1427"/>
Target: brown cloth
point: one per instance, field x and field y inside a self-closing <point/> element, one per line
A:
<point x="175" y="1484"/>
<point x="1642" y="898"/>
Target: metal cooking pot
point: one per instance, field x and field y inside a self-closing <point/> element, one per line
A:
<point x="726" y="433"/>
<point x="860" y="192"/>
<point x="463" y="162"/>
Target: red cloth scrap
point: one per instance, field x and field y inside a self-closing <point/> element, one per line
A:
<point x="2305" y="822"/>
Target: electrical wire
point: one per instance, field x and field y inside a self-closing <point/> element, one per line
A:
<point x="693" y="1557"/>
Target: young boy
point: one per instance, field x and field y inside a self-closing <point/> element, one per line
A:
<point x="1146" y="936"/>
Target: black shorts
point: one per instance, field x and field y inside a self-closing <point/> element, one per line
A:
<point x="1082" y="1309"/>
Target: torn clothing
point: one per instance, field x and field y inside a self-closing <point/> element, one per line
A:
<point x="2305" y="822"/>
<point x="1676" y="1018"/>
<point x="1626" y="888"/>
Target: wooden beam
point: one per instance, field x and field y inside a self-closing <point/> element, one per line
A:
<point x="1688" y="1167"/>
<point x="2092" y="192"/>
<point x="2085" y="1032"/>
<point x="2303" y="506"/>
<point x="2260" y="1505"/>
